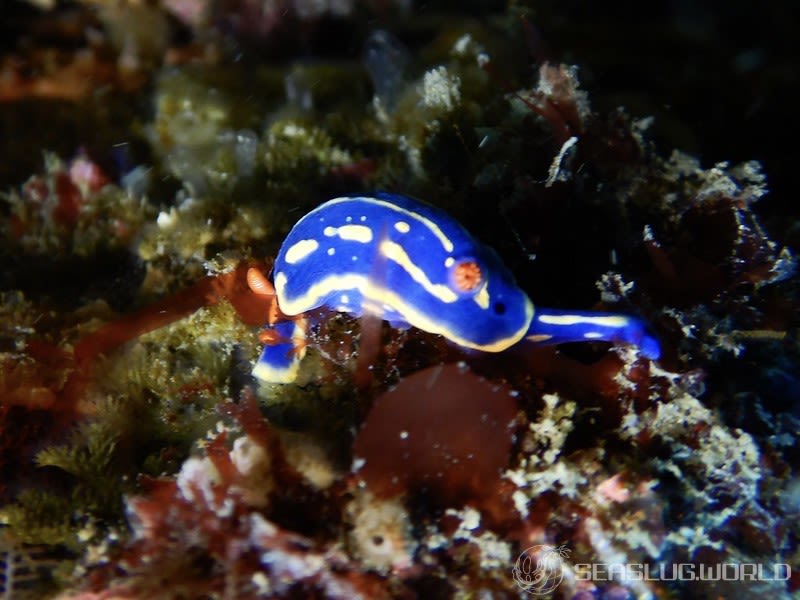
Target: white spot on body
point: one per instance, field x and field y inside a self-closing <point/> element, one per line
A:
<point x="431" y="225"/>
<point x="331" y="251"/>
<point x="402" y="227"/>
<point x="541" y="337"/>
<point x="300" y="250"/>
<point x="349" y="219"/>
<point x="350" y="233"/>
<point x="449" y="262"/>
<point x="356" y="233"/>
<point x="345" y="298"/>
<point x="593" y="335"/>
<point x="363" y="218"/>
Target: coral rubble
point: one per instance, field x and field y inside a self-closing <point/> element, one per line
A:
<point x="138" y="456"/>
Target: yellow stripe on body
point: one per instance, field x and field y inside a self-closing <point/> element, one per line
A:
<point x="379" y="295"/>
<point x="447" y="244"/>
<point x="397" y="254"/>
<point x="601" y="320"/>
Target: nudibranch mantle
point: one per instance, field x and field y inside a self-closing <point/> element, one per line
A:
<point x="405" y="261"/>
<point x="411" y="264"/>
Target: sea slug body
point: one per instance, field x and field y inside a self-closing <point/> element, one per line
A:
<point x="410" y="263"/>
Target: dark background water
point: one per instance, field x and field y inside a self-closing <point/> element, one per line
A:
<point x="722" y="80"/>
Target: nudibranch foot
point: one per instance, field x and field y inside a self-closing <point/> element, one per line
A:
<point x="551" y="326"/>
<point x="280" y="359"/>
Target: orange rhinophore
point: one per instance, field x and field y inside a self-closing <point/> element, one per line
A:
<point x="261" y="286"/>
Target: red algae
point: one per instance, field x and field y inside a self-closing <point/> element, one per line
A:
<point x="604" y="454"/>
<point x="443" y="432"/>
<point x="61" y="378"/>
<point x="250" y="307"/>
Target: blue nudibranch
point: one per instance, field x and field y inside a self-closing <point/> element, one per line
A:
<point x="412" y="264"/>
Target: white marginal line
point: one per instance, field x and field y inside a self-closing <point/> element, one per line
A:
<point x="599" y="320"/>
<point x="374" y="293"/>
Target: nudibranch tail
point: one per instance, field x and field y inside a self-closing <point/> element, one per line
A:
<point x="558" y="326"/>
<point x="280" y="359"/>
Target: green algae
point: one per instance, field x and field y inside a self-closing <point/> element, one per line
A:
<point x="247" y="162"/>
